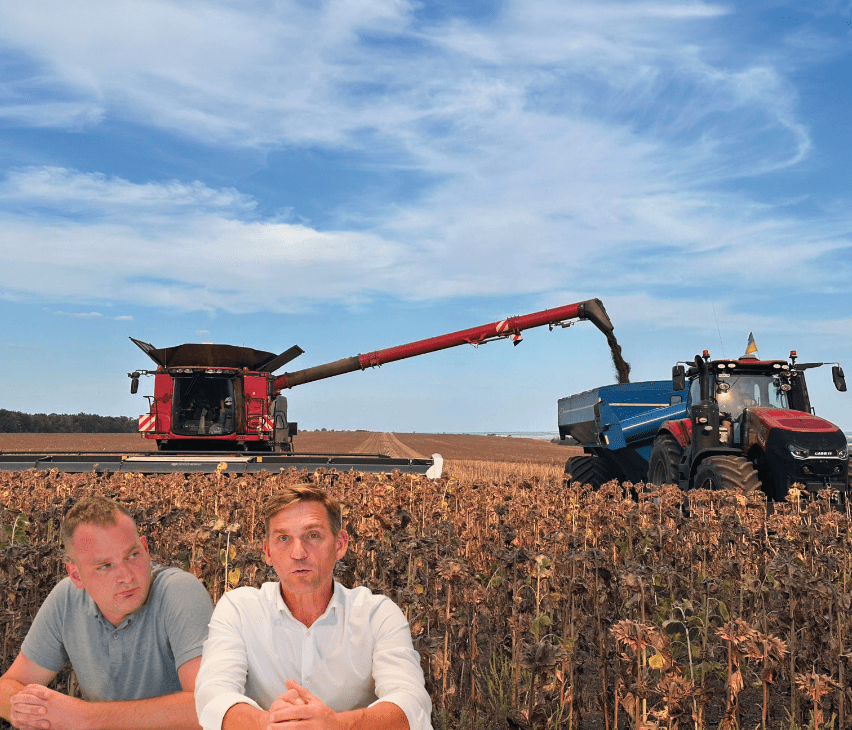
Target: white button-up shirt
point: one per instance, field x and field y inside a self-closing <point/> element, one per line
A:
<point x="358" y="653"/>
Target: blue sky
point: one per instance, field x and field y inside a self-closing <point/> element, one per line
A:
<point x="356" y="174"/>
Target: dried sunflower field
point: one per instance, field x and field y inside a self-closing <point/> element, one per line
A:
<point x="533" y="604"/>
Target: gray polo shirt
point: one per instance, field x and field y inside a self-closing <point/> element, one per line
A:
<point x="134" y="661"/>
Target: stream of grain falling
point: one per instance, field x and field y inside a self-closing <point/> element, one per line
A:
<point x="622" y="367"/>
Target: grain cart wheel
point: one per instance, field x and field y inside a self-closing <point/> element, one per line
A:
<point x="591" y="470"/>
<point x="665" y="457"/>
<point x="727" y="472"/>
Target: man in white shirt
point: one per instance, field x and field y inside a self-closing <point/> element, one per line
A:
<point x="305" y="648"/>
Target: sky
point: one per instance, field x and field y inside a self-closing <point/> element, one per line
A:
<point x="349" y="175"/>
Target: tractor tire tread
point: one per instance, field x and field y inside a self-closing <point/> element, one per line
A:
<point x="727" y="472"/>
<point x="665" y="458"/>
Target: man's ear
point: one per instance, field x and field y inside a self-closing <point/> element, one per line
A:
<point x="266" y="552"/>
<point x="74" y="573"/>
<point x="341" y="543"/>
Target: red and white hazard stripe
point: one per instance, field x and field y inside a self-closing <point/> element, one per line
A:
<point x="147" y="422"/>
<point x="266" y="423"/>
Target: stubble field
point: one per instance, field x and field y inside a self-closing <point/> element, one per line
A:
<point x="533" y="604"/>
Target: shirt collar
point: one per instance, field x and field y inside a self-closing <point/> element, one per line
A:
<point x="331" y="611"/>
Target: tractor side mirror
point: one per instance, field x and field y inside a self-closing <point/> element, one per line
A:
<point x="678" y="377"/>
<point x="839" y="378"/>
<point x="134" y="383"/>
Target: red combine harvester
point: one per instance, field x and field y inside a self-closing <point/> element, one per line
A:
<point x="215" y="403"/>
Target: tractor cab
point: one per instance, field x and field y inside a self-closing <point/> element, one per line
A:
<point x="736" y="385"/>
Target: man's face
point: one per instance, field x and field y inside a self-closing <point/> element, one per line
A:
<point x="303" y="549"/>
<point x="113" y="565"/>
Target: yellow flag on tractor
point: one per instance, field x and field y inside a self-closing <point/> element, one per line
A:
<point x="751" y="347"/>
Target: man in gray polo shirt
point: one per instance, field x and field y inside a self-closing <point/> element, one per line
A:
<point x="133" y="632"/>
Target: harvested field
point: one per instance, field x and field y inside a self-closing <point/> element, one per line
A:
<point x="533" y="604"/>
<point x="409" y="445"/>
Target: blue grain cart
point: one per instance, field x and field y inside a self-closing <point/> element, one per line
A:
<point x="616" y="426"/>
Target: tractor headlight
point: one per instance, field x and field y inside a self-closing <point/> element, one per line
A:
<point x="797" y="451"/>
<point x="843" y="454"/>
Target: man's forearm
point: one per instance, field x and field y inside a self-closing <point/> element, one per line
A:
<point x="8" y="687"/>
<point x="169" y="712"/>
<point x="243" y="716"/>
<point x="381" y="716"/>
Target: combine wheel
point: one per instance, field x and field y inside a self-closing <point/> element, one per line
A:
<point x="590" y="470"/>
<point x="665" y="458"/>
<point x="727" y="472"/>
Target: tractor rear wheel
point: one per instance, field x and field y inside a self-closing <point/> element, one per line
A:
<point x="589" y="469"/>
<point x="665" y="457"/>
<point x="727" y="472"/>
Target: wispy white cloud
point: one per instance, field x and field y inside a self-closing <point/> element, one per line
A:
<point x="64" y="192"/>
<point x="59" y="115"/>
<point x="79" y="315"/>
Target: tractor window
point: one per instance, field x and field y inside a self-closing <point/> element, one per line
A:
<point x="741" y="391"/>
<point x="203" y="405"/>
<point x="694" y="391"/>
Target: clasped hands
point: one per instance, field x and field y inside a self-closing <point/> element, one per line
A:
<point x="36" y="707"/>
<point x="298" y="709"/>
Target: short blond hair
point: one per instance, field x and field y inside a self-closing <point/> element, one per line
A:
<point x="95" y="510"/>
<point x="303" y="493"/>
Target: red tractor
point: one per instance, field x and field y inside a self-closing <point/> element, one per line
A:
<point x="749" y="425"/>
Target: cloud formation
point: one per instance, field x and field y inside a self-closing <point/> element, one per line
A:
<point x="591" y="143"/>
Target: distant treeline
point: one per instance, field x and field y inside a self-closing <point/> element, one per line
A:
<point x="17" y="422"/>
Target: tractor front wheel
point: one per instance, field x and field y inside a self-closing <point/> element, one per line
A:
<point x="665" y="458"/>
<point x="727" y="472"/>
